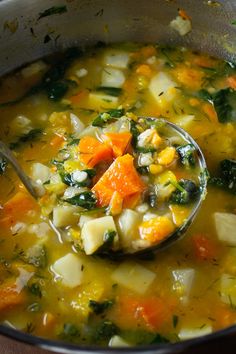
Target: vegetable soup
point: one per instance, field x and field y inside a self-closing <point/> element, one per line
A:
<point x="112" y="182"/>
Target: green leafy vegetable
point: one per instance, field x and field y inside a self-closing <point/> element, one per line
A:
<point x="68" y="179"/>
<point x="99" y="307"/>
<point x="227" y="176"/>
<point x="175" y="320"/>
<point x="142" y="337"/>
<point x="108" y="116"/>
<point x="233" y="22"/>
<point x="30" y="136"/>
<point x="105" y="330"/>
<point x="53" y="11"/>
<point x="186" y="153"/>
<point x="35" y="290"/>
<point x="111" y="91"/>
<point x="145" y="150"/>
<point x="3" y="165"/>
<point x="85" y="200"/>
<point x="186" y="192"/>
<point x="135" y="132"/>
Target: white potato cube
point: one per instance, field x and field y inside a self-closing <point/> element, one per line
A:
<point x="40" y="173"/>
<point x="112" y="77"/>
<point x="228" y="289"/>
<point x="117" y="341"/>
<point x="128" y="222"/>
<point x="69" y="269"/>
<point x="226" y="227"/>
<point x="133" y="276"/>
<point x="117" y="59"/>
<point x="183" y="282"/>
<point x="188" y="333"/>
<point x="64" y="215"/>
<point x="161" y="86"/>
<point x="93" y="231"/>
<point x="181" y="25"/>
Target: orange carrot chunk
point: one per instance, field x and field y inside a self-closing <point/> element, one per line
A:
<point x="156" y="229"/>
<point x="10" y="297"/>
<point x="119" y="142"/>
<point x="92" y="151"/>
<point x="231" y="80"/>
<point x="122" y="177"/>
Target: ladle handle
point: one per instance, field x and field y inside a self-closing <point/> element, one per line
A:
<point x="6" y="152"/>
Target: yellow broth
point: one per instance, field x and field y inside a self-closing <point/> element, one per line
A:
<point x="191" y="286"/>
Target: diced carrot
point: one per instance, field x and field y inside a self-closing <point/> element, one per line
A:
<point x="194" y="102"/>
<point x="116" y="204"/>
<point x="231" y="80"/>
<point x="189" y="77"/>
<point x="10" y="297"/>
<point x="93" y="151"/>
<point x="57" y="141"/>
<point x="184" y="15"/>
<point x="76" y="99"/>
<point x="204" y="61"/>
<point x="204" y="248"/>
<point x="144" y="70"/>
<point x="118" y="142"/>
<point x="156" y="229"/>
<point x="19" y="205"/>
<point x="132" y="200"/>
<point x="167" y="156"/>
<point x="210" y="111"/>
<point x="148" y="51"/>
<point x="122" y="177"/>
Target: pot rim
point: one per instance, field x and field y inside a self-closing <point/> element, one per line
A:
<point x="162" y="348"/>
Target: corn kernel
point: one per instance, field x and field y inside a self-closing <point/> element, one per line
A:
<point x="167" y="156"/>
<point x="156" y="140"/>
<point x="155" y="169"/>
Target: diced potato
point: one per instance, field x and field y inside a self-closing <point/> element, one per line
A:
<point x="225" y="224"/>
<point x="188" y="333"/>
<point x="161" y="86"/>
<point x="76" y="123"/>
<point x="69" y="269"/>
<point x="228" y="289"/>
<point x="181" y="25"/>
<point x="22" y="279"/>
<point x="183" y="281"/>
<point x="93" y="231"/>
<point x="40" y="173"/>
<point x="101" y="101"/>
<point x="117" y="59"/>
<point x="112" y="77"/>
<point x="83" y="219"/>
<point x="128" y="223"/>
<point x="117" y="341"/>
<point x="185" y="121"/>
<point x="64" y="215"/>
<point x="133" y="276"/>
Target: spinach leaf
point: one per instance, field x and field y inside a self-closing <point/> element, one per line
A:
<point x="30" y="136"/>
<point x="186" y="154"/>
<point x="105" y="330"/>
<point x="58" y="89"/>
<point x="85" y="200"/>
<point x="53" y="11"/>
<point x="68" y="179"/>
<point x="107" y="116"/>
<point x="135" y="132"/>
<point x="227" y="176"/>
<point x="3" y="165"/>
<point x="145" y="150"/>
<point x="186" y="192"/>
<point x="111" y="91"/>
<point x="108" y="239"/>
<point x="99" y="307"/>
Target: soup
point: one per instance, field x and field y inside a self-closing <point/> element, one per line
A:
<point x="110" y="181"/>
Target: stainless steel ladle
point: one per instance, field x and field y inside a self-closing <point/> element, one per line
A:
<point x="170" y="239"/>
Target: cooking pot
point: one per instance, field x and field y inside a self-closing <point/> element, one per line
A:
<point x="26" y="36"/>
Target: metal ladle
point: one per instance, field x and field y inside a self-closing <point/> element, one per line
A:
<point x="171" y="238"/>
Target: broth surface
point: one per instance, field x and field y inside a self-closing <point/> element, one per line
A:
<point x="49" y="286"/>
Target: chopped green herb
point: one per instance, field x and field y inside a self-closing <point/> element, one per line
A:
<point x="35" y="289"/>
<point x="111" y="91"/>
<point x="186" y="192"/>
<point x="69" y="333"/>
<point x="99" y="307"/>
<point x="106" y="330"/>
<point x="104" y="117"/>
<point x="233" y="22"/>
<point x="30" y="136"/>
<point x="227" y="176"/>
<point x="135" y="132"/>
<point x="175" y="320"/>
<point x="74" y="142"/>
<point x="53" y="11"/>
<point x="85" y="200"/>
<point x="68" y="179"/>
<point x="30" y="327"/>
<point x="145" y="150"/>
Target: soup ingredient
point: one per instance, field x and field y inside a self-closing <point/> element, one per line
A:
<point x="225" y="226"/>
